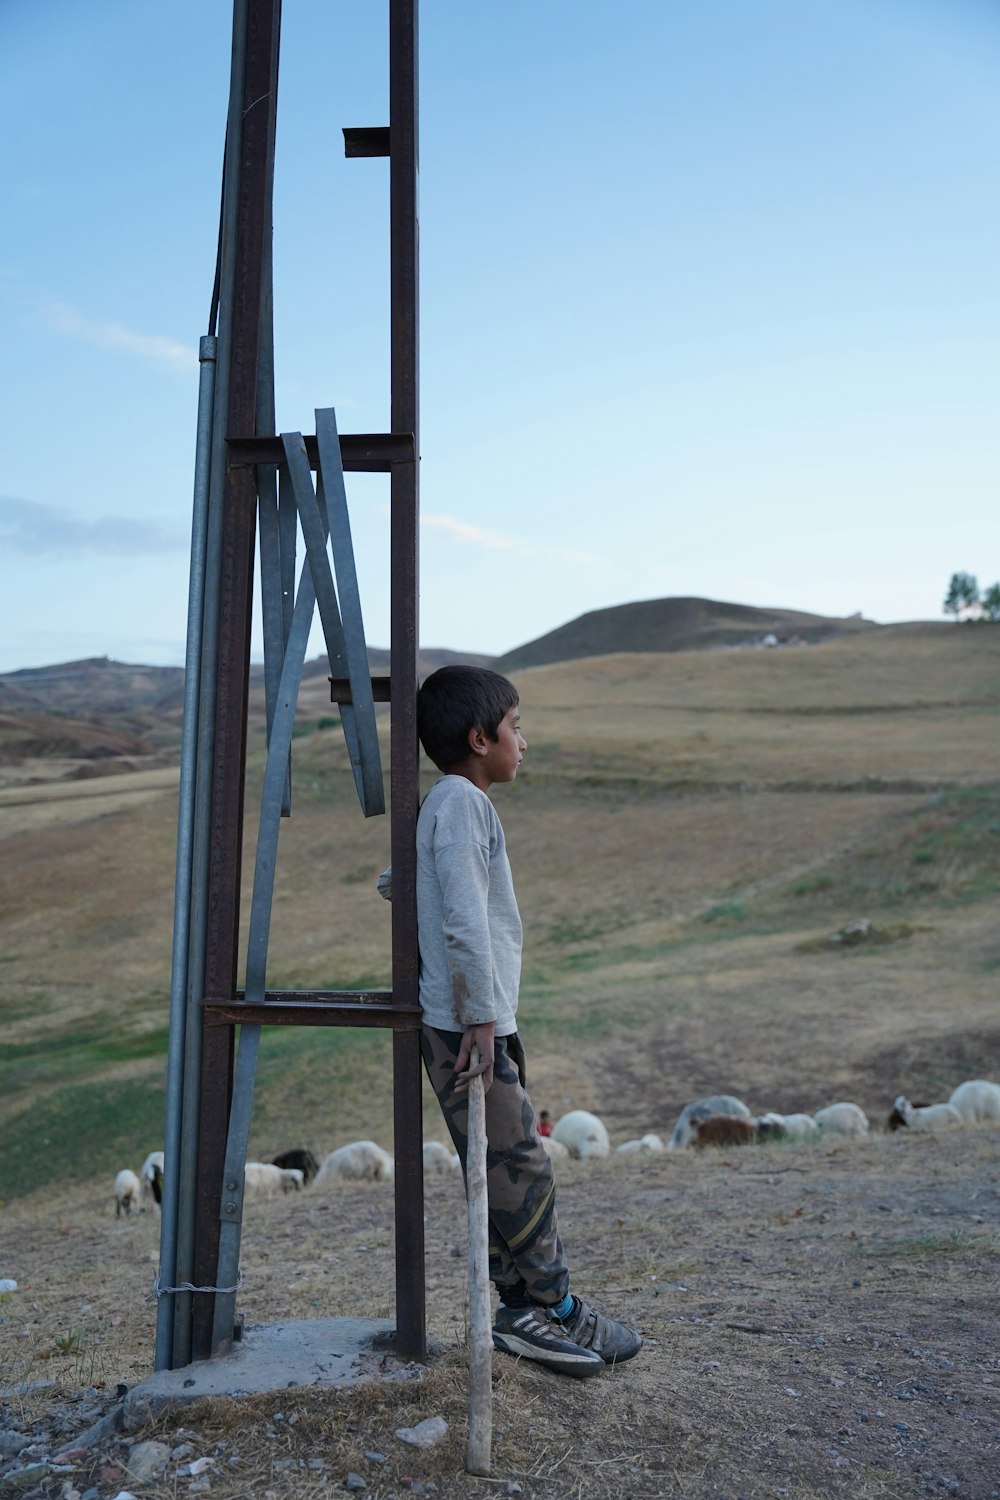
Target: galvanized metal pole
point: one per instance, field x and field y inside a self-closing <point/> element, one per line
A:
<point x="193" y="1040"/>
<point x="183" y="875"/>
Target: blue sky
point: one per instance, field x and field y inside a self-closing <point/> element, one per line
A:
<point x="710" y="304"/>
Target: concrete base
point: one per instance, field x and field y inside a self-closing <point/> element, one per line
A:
<point x="271" y="1357"/>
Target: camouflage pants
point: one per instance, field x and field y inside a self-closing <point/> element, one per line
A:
<point x="527" y="1263"/>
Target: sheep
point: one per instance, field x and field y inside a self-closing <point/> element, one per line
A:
<point x="774" y="1127"/>
<point x="554" y="1150"/>
<point x="842" y="1118"/>
<point x="300" y="1159"/>
<point x="724" y="1130"/>
<point x="263" y="1180"/>
<point x="156" y="1185"/>
<point x="582" y="1133"/>
<point x="361" y="1161"/>
<point x="128" y="1193"/>
<point x="437" y="1158"/>
<point x="702" y="1109"/>
<point x="646" y="1144"/>
<point x="896" y="1120"/>
<point x="925" y="1116"/>
<point x="151" y="1177"/>
<point x="977" y="1100"/>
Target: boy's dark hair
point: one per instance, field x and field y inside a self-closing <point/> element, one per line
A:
<point x="454" y="700"/>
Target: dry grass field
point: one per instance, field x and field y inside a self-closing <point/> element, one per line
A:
<point x="687" y="833"/>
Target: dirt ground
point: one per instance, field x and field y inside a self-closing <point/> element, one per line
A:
<point x="818" y="1321"/>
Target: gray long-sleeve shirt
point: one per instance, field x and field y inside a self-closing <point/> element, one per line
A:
<point x="468" y="924"/>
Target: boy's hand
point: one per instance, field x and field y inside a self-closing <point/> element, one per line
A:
<point x="481" y="1037"/>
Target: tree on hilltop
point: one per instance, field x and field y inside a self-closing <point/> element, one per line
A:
<point x="991" y="603"/>
<point x="963" y="593"/>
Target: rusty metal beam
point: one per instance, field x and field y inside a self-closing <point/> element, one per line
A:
<point x="404" y="551"/>
<point x="320" y="1008"/>
<point x="340" y="689"/>
<point x="252" y="177"/>
<point x="366" y="140"/>
<point x="360" y="452"/>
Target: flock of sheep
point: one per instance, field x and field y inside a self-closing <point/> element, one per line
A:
<point x="721" y="1120"/>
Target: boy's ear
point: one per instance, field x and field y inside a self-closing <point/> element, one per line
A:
<point x="479" y="742"/>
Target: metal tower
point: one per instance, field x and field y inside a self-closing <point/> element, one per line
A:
<point x="250" y="481"/>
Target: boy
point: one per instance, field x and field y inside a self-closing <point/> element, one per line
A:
<point x="470" y="962"/>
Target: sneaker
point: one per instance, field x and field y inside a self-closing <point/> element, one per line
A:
<point x="533" y="1333"/>
<point x="591" y="1330"/>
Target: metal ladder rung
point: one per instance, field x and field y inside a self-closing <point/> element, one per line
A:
<point x="312" y="1008"/>
<point x="340" y="690"/>
<point x="360" y="452"/>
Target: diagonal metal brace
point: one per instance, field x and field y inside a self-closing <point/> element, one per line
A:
<point x="359" y="731"/>
<point x="331" y="486"/>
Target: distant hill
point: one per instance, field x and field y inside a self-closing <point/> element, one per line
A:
<point x="99" y="710"/>
<point x="675" y="625"/>
<point x="95" y="685"/>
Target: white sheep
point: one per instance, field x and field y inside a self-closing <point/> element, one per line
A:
<point x="801" y="1127"/>
<point x="645" y="1144"/>
<point x="842" y="1118"/>
<point x="128" y="1193"/>
<point x="926" y="1116"/>
<point x="976" y="1100"/>
<point x="438" y="1159"/>
<point x="775" y="1127"/>
<point x="582" y="1133"/>
<point x="554" y="1150"/>
<point x="703" y="1109"/>
<point x="263" y="1180"/>
<point x="361" y="1161"/>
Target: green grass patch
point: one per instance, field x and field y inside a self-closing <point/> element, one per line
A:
<point x="567" y="930"/>
<point x="85" y="1131"/>
<point x="726" y="912"/>
<point x="62" y="1055"/>
<point x="822" y="880"/>
<point x="945" y="854"/>
<point x="319" y="1086"/>
<point x="581" y="1022"/>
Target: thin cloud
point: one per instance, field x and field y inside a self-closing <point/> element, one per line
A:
<point x="496" y="541"/>
<point x="43" y="531"/>
<point x="157" y="348"/>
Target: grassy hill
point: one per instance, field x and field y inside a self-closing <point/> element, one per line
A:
<point x="675" y="625"/>
<point x="98" y="709"/>
<point x="686" y="833"/>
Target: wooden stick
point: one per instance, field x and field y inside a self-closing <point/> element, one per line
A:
<point x="480" y="1333"/>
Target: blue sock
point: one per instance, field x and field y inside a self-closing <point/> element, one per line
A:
<point x="565" y="1307"/>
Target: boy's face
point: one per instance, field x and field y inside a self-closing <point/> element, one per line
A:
<point x="498" y="760"/>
